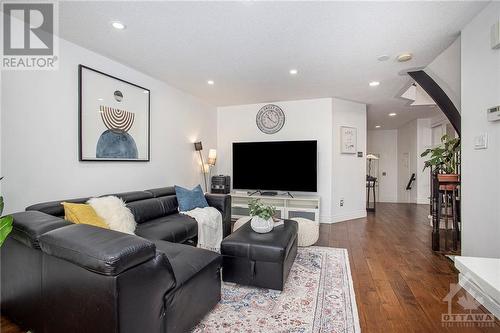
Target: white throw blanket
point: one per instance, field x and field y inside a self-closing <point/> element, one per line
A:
<point x="209" y="227"/>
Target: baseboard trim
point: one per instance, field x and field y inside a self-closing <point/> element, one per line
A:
<point x="423" y="201"/>
<point x="325" y="219"/>
<point x="347" y="216"/>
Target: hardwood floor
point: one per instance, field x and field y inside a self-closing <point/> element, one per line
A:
<point x="399" y="282"/>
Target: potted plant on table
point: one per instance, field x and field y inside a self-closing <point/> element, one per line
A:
<point x="444" y="159"/>
<point x="5" y="224"/>
<point x="262" y="216"/>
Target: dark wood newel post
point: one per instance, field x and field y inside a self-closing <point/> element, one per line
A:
<point x="436" y="216"/>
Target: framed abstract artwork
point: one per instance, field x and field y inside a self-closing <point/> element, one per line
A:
<point x="114" y="118"/>
<point x="348" y="140"/>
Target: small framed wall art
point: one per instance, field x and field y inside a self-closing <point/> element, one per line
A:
<point x="114" y="118"/>
<point x="348" y="140"/>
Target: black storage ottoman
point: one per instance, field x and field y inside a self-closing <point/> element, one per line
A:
<point x="261" y="260"/>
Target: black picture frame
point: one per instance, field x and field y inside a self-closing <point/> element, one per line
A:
<point x="81" y="158"/>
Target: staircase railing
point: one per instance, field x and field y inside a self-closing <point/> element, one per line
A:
<point x="410" y="182"/>
<point x="445" y="206"/>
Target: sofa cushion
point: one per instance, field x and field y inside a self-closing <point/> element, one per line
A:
<point x="98" y="250"/>
<point x="131" y="196"/>
<point x="115" y="213"/>
<point x="173" y="228"/>
<point x="29" y="226"/>
<point x="54" y="208"/>
<point x="146" y="210"/>
<point x="170" y="205"/>
<point x="190" y="199"/>
<point x="186" y="261"/>
<point x="162" y="191"/>
<point x="84" y="214"/>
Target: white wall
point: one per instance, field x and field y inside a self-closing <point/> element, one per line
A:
<point x="407" y="161"/>
<point x="400" y="157"/>
<point x="480" y="168"/>
<point x="312" y="119"/>
<point x="445" y="70"/>
<point x="305" y="120"/>
<point x="384" y="143"/>
<point x="349" y="171"/>
<point x="39" y="129"/>
<point x="439" y="119"/>
<point x="424" y="141"/>
<point x="1" y="173"/>
<point x="414" y="138"/>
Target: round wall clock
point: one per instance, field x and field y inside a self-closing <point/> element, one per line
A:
<point x="270" y="119"/>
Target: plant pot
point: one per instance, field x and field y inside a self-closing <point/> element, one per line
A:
<point x="448" y="182"/>
<point x="447" y="178"/>
<point x="261" y="225"/>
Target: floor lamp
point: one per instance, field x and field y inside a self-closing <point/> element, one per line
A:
<point x="199" y="147"/>
<point x="212" y="158"/>
<point x="370" y="157"/>
<point x="370" y="184"/>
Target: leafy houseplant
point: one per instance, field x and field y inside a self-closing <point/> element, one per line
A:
<point x="262" y="216"/>
<point x="5" y="224"/>
<point x="444" y="159"/>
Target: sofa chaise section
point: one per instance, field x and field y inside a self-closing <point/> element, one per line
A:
<point x="61" y="277"/>
<point x="98" y="280"/>
<point x="21" y="267"/>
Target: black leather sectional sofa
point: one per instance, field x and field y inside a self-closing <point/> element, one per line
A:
<point x="62" y="277"/>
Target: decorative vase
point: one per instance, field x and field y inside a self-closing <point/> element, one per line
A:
<point x="261" y="225"/>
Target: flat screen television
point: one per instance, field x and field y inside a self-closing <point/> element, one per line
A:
<point x="275" y="166"/>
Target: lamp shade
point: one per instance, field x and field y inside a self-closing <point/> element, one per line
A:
<point x="371" y="157"/>
<point x="212" y="157"/>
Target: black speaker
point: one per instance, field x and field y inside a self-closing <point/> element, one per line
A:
<point x="221" y="184"/>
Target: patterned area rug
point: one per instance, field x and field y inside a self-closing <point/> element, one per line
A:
<point x="318" y="297"/>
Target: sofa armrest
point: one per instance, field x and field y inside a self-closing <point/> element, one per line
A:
<point x="223" y="203"/>
<point x="27" y="227"/>
<point x="99" y="250"/>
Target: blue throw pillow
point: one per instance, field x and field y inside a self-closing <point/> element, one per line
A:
<point x="190" y="199"/>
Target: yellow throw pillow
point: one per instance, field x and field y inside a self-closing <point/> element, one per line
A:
<point x="82" y="213"/>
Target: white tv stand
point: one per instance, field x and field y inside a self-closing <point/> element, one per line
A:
<point x="306" y="206"/>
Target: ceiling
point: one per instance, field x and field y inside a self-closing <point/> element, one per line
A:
<point x="248" y="47"/>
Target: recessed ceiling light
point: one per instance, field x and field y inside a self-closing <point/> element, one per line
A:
<point x="293" y="71"/>
<point x="374" y="83"/>
<point x="383" y="57"/>
<point x="403" y="57"/>
<point x="392" y="114"/>
<point x="118" y="25"/>
<point x="210" y="82"/>
<point x="377" y="126"/>
<point x="99" y="99"/>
